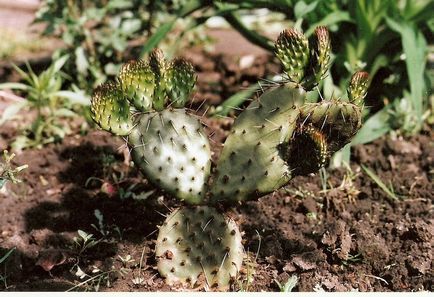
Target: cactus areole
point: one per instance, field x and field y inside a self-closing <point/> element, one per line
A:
<point x="277" y="137"/>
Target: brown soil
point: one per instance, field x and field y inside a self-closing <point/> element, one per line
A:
<point x="349" y="236"/>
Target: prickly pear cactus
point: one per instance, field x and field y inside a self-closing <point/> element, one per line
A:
<point x="198" y="244"/>
<point x="172" y="150"/>
<point x="280" y="135"/>
<point x="251" y="164"/>
<point x="146" y="104"/>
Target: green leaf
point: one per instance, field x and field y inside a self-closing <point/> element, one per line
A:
<point x="130" y="26"/>
<point x="14" y="86"/>
<point x="155" y="39"/>
<point x="415" y="49"/>
<point x="331" y="19"/>
<point x="379" y="182"/>
<point x="11" y="111"/>
<point x="235" y="100"/>
<point x="301" y="8"/>
<point x="375" y="127"/>
<point x="81" y="60"/>
<point x="58" y="64"/>
<point x="7" y="255"/>
<point x="74" y="97"/>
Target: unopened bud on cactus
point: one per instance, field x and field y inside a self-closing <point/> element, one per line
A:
<point x="180" y="80"/>
<point x="158" y="64"/>
<point x="110" y="109"/>
<point x="358" y="87"/>
<point x="292" y="49"/>
<point x="304" y="61"/>
<point x="199" y="244"/>
<point x="138" y="83"/>
<point x="320" y="57"/>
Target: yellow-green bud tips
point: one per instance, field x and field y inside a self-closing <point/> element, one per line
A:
<point x="110" y="109"/>
<point x="292" y="49"/>
<point x="158" y="64"/>
<point x="304" y="61"/>
<point x="138" y="82"/>
<point x="358" y="87"/>
<point x="320" y="57"/>
<point x="180" y="80"/>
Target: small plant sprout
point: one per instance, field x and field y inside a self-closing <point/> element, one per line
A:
<point x="278" y="136"/>
<point x="84" y="241"/>
<point x="7" y="172"/>
<point x="290" y="284"/>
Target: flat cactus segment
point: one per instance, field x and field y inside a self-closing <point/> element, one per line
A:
<point x="172" y="150"/>
<point x="138" y="82"/>
<point x="308" y="151"/>
<point x="251" y="163"/>
<point x="110" y="109"/>
<point x="198" y="244"/>
<point x="180" y="80"/>
<point x="337" y="120"/>
<point x="292" y="49"/>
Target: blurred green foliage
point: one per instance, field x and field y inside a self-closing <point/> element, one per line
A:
<point x="45" y="98"/>
<point x="98" y="34"/>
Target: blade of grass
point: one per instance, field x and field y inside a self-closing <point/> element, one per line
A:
<point x="376" y="126"/>
<point x="379" y="182"/>
<point x="235" y="100"/>
<point x="415" y="49"/>
<point x="7" y="255"/>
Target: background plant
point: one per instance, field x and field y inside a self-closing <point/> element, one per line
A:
<point x="7" y="171"/>
<point x="100" y="35"/>
<point x="44" y="96"/>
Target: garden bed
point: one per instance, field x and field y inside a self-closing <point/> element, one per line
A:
<point x="336" y="233"/>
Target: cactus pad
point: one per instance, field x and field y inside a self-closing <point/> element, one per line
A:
<point x="338" y="121"/>
<point x="292" y="49"/>
<point x="251" y="163"/>
<point x="180" y="80"/>
<point x="198" y="243"/>
<point x="137" y="82"/>
<point x="172" y="150"/>
<point x="110" y="109"/>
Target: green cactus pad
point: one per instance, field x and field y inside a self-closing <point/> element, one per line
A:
<point x="180" y="80"/>
<point x="173" y="151"/>
<point x="137" y="81"/>
<point x="197" y="244"/>
<point x="337" y="120"/>
<point x="110" y="109"/>
<point x="308" y="151"/>
<point x="292" y="49"/>
<point x="251" y="163"/>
